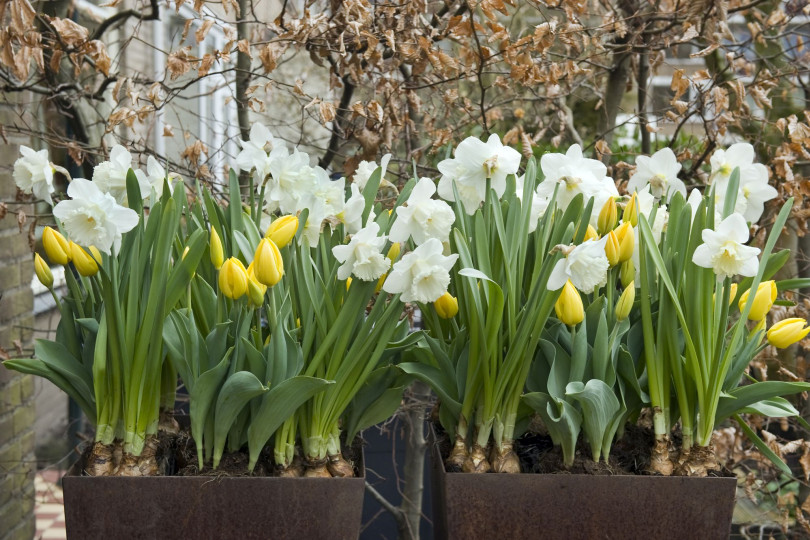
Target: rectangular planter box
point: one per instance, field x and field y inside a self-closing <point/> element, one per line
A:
<point x="578" y="506"/>
<point x="206" y="507"/>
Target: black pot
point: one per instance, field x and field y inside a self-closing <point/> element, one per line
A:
<point x="206" y="507"/>
<point x="579" y="506"/>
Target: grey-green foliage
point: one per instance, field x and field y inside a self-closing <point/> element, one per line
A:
<point x="585" y="381"/>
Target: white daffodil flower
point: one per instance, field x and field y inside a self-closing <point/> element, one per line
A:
<point x="330" y="192"/>
<point x="473" y="163"/>
<point x="422" y="275"/>
<point x="660" y="172"/>
<point x="352" y="213"/>
<point x="92" y="217"/>
<point x="155" y="176"/>
<point x="254" y="151"/>
<point x="366" y="168"/>
<point x="586" y="265"/>
<point x="423" y="218"/>
<point x="33" y="173"/>
<point x="575" y="174"/>
<point x="362" y="256"/>
<point x="293" y="181"/>
<point x="111" y="176"/>
<point x="724" y="249"/>
<point x="754" y="189"/>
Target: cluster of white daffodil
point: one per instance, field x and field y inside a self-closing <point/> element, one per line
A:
<point x="97" y="212"/>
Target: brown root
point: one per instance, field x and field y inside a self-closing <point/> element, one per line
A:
<point x="100" y="462"/>
<point x="477" y="461"/>
<point x="143" y="465"/>
<point x="701" y="460"/>
<point x="316" y="468"/>
<point x="458" y="455"/>
<point x="339" y="467"/>
<point x="167" y="422"/>
<point x="660" y="461"/>
<point x="504" y="459"/>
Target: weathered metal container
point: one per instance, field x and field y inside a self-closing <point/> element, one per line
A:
<point x="206" y="507"/>
<point x="579" y="506"/>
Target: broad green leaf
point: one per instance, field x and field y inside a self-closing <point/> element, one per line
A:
<point x="599" y="408"/>
<point x="201" y="398"/>
<point x="746" y="396"/>
<point x="278" y="404"/>
<point x="562" y="420"/>
<point x="237" y="391"/>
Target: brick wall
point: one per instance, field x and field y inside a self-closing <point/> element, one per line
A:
<point x="17" y="461"/>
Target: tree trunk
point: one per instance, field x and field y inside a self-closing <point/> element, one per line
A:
<point x="414" y="471"/>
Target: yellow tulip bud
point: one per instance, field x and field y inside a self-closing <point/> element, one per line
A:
<point x="446" y="306"/>
<point x="787" y="332"/>
<point x="393" y="252"/>
<point x="84" y="263"/>
<point x="185" y="252"/>
<point x="215" y="249"/>
<point x="627" y="241"/>
<point x="627" y="273"/>
<point x="590" y="234"/>
<point x="269" y="266"/>
<point x="612" y="248"/>
<point x="282" y="230"/>
<point x="378" y="287"/>
<point x="608" y="217"/>
<point x="97" y="254"/>
<point x="255" y="290"/>
<point x="56" y="246"/>
<point x="763" y="300"/>
<point x="348" y="283"/>
<point x="631" y="211"/>
<point x="569" y="307"/>
<point x="625" y="303"/>
<point x="43" y="271"/>
<point x="233" y="278"/>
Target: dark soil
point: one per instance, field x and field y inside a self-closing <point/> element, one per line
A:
<point x="236" y="463"/>
<point x="630" y="455"/>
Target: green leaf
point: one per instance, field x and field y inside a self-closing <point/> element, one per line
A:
<point x="773" y="408"/>
<point x="599" y="409"/>
<point x="762" y="446"/>
<point x="562" y="420"/>
<point x="444" y="386"/>
<point x="277" y="406"/>
<point x="237" y="391"/>
<point x="201" y="398"/>
<point x="746" y="396"/>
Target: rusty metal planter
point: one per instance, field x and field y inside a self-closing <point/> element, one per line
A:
<point x="579" y="506"/>
<point x="205" y="507"/>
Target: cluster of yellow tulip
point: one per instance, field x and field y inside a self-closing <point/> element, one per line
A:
<point x="782" y="334"/>
<point x="62" y="251"/>
<point x="267" y="267"/>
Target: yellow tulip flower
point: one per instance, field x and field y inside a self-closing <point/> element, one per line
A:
<point x="282" y="230"/>
<point x="612" y="248"/>
<point x="233" y="278"/>
<point x="43" y="271"/>
<point x="627" y="273"/>
<point x="215" y="248"/>
<point x="446" y="306"/>
<point x="84" y="263"/>
<point x="625" y="303"/>
<point x="590" y="234"/>
<point x="787" y="332"/>
<point x="56" y="246"/>
<point x="763" y="300"/>
<point x="631" y="211"/>
<point x="627" y="241"/>
<point x="269" y="266"/>
<point x="255" y="290"/>
<point x="569" y="307"/>
<point x="608" y="217"/>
